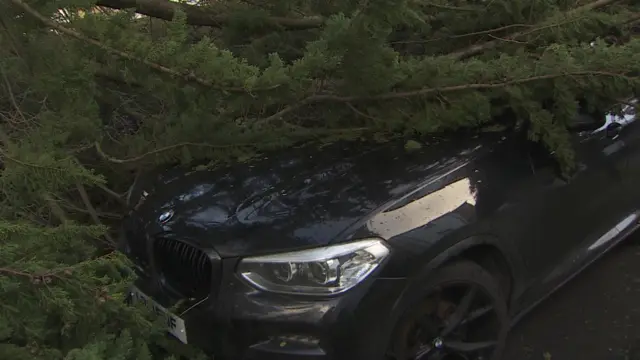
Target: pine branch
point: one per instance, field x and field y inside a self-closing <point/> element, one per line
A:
<point x="480" y="48"/>
<point x="508" y="40"/>
<point x="475" y="33"/>
<point x="155" y="66"/>
<point x="15" y="272"/>
<point x="316" y="133"/>
<point x="11" y="96"/>
<point x="633" y="19"/>
<point x="448" y="7"/>
<point x="165" y="7"/>
<point x="115" y="160"/>
<point x="113" y="194"/>
<point x="5" y="155"/>
<point x="4" y="137"/>
<point x="430" y="91"/>
<point x="71" y="207"/>
<point x="358" y="112"/>
<point x="202" y="16"/>
<point x="92" y="212"/>
<point x="12" y="40"/>
<point x="46" y="276"/>
<point x="57" y="211"/>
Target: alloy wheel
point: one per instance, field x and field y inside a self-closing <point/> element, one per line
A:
<point x="460" y="320"/>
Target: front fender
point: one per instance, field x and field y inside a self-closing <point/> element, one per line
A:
<point x="413" y="290"/>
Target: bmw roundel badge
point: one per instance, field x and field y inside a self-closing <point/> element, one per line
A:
<point x="165" y="216"/>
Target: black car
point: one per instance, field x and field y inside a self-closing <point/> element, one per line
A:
<point x="369" y="251"/>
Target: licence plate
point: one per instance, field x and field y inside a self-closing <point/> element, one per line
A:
<point x="175" y="325"/>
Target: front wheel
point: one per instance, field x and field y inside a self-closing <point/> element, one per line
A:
<point x="462" y="317"/>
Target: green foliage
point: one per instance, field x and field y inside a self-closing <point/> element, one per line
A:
<point x="149" y="92"/>
<point x="60" y="296"/>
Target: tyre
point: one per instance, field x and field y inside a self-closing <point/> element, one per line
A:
<point x="462" y="316"/>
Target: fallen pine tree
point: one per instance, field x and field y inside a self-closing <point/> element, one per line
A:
<point x="92" y="90"/>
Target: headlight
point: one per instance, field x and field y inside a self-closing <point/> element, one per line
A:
<point x="327" y="270"/>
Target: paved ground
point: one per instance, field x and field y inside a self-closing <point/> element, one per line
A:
<point x="594" y="317"/>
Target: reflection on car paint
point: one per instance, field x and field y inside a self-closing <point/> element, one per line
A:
<point x="615" y="231"/>
<point x="430" y="207"/>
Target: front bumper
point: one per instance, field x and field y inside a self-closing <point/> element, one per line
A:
<point x="240" y="322"/>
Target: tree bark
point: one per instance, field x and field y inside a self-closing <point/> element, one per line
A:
<point x="201" y="16"/>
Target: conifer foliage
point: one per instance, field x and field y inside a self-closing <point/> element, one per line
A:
<point x="92" y="92"/>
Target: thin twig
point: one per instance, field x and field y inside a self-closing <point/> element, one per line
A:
<point x="67" y="270"/>
<point x="508" y="40"/>
<point x="92" y="211"/>
<point x="428" y="91"/>
<point x="57" y="211"/>
<point x="4" y="138"/>
<point x="34" y="166"/>
<point x="163" y="149"/>
<point x="316" y="133"/>
<point x="459" y="36"/>
<point x="355" y="110"/>
<point x="290" y="108"/>
<point x="480" y="48"/>
<point x="12" y="98"/>
<point x="15" y="272"/>
<point x="113" y="194"/>
<point x="448" y="7"/>
<point x="12" y="40"/>
<point x="633" y="19"/>
<point x="106" y="215"/>
<point x="544" y="27"/>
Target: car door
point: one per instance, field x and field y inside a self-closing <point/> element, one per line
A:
<point x="553" y="216"/>
<point x="624" y="129"/>
<point x="610" y="210"/>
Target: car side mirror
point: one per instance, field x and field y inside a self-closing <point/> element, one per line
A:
<point x="613" y="130"/>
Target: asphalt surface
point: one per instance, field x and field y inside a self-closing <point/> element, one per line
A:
<point x="596" y="316"/>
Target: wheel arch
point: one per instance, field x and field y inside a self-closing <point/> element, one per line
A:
<point x="485" y="250"/>
<point x="492" y="259"/>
